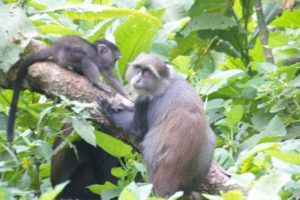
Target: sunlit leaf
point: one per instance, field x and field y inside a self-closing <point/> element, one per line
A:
<point x="292" y="158"/>
<point x="54" y="192"/>
<point x="90" y="11"/>
<point x="233" y="194"/>
<point x="98" y="189"/>
<point x="58" y="29"/>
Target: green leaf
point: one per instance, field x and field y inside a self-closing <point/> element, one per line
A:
<point x="58" y="29"/>
<point x="278" y="39"/>
<point x="118" y="172"/>
<point x="111" y="145"/>
<point x="264" y="68"/>
<point x="281" y="104"/>
<point x="110" y="193"/>
<point x="192" y="43"/>
<point x="15" y="35"/>
<point x="268" y="186"/>
<point x="98" y="31"/>
<point x="133" y="36"/>
<point x="97" y="12"/>
<point x="133" y="191"/>
<point x="98" y="189"/>
<point x="233" y="194"/>
<point x="292" y="158"/>
<point x="85" y="130"/>
<point x="288" y="19"/>
<point x="219" y="79"/>
<point x="260" y="120"/>
<point x="5" y="194"/>
<point x="276" y="127"/>
<point x="234" y="114"/>
<point x="245" y="159"/>
<point x="202" y="7"/>
<point x="209" y="22"/>
<point x="54" y="192"/>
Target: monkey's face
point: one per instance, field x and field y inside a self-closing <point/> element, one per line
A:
<point x="145" y="79"/>
<point x="107" y="55"/>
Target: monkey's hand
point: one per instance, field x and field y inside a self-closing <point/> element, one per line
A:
<point x="106" y="108"/>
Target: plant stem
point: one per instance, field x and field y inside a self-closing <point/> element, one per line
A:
<point x="263" y="31"/>
<point x="37" y="180"/>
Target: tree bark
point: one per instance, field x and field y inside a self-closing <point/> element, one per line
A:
<point x="52" y="80"/>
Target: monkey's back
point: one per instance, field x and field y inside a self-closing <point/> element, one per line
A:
<point x="71" y="50"/>
<point x="179" y="145"/>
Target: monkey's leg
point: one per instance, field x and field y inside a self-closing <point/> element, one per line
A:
<point x="91" y="72"/>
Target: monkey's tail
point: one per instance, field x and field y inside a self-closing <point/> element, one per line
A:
<point x="35" y="57"/>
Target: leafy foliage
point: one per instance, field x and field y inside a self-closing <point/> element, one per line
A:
<point x="253" y="106"/>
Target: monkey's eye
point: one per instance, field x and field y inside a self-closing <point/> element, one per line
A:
<point x="146" y="73"/>
<point x="137" y="68"/>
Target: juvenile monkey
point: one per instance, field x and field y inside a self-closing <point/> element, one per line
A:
<point x="85" y="58"/>
<point x="178" y="144"/>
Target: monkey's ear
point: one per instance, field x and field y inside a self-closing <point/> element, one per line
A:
<point x="102" y="49"/>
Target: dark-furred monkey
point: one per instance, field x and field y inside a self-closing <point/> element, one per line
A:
<point x="85" y="58"/>
<point x="178" y="143"/>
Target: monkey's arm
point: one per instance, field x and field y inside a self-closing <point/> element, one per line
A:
<point x="91" y="72"/>
<point x="122" y="117"/>
<point x="108" y="74"/>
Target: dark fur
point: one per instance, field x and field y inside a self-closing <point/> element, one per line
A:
<point x="85" y="58"/>
<point x="91" y="166"/>
<point x="178" y="143"/>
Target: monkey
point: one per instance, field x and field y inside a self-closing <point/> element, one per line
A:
<point x="85" y="58"/>
<point x="87" y="166"/>
<point x="176" y="139"/>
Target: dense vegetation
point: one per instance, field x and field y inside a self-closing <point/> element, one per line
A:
<point x="248" y="79"/>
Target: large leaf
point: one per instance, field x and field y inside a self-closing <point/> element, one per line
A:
<point x="209" y="15"/>
<point x="276" y="127"/>
<point x="192" y="43"/>
<point x="91" y="11"/>
<point x="292" y="158"/>
<point x="133" y="191"/>
<point x="209" y="22"/>
<point x="85" y="130"/>
<point x="268" y="186"/>
<point x="234" y="114"/>
<point x="202" y="7"/>
<point x="220" y="79"/>
<point x="175" y="9"/>
<point x="98" y="189"/>
<point x="133" y="36"/>
<point x="245" y="159"/>
<point x="54" y="192"/>
<point x="58" y="29"/>
<point x="288" y="19"/>
<point x="113" y="146"/>
<point x="16" y="32"/>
